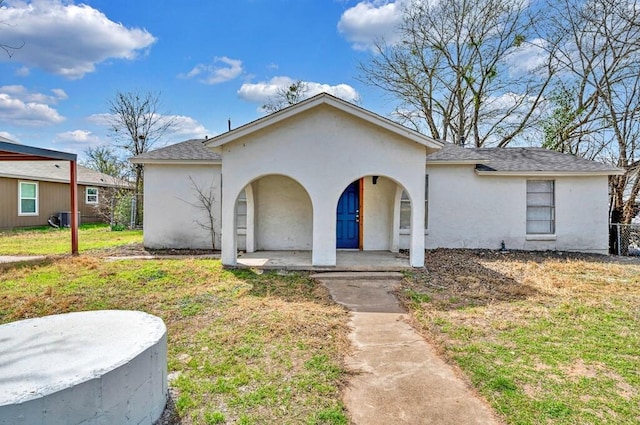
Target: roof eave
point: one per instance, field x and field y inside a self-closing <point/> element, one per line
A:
<point x="35" y="154"/>
<point x="54" y="180"/>
<point x="455" y="162"/>
<point x="548" y="173"/>
<point x="175" y="161"/>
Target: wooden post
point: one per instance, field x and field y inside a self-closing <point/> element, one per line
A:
<point x="73" y="187"/>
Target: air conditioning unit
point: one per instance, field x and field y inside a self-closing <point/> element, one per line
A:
<point x="64" y="218"/>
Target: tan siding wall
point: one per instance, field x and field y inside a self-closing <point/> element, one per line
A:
<point x="52" y="199"/>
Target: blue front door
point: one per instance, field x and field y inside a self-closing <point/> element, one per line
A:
<point x="348" y="222"/>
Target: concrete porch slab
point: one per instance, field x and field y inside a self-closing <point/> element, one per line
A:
<point x="354" y="261"/>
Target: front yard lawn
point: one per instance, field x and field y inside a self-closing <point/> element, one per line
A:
<point x="50" y="241"/>
<point x="545" y="338"/>
<point x="244" y="348"/>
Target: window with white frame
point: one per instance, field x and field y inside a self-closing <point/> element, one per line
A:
<point x="541" y="207"/>
<point x="405" y="207"/>
<point x="91" y="195"/>
<point x="241" y="211"/>
<point x="27" y="198"/>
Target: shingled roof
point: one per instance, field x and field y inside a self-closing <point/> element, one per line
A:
<point x="451" y="153"/>
<point x="56" y="171"/>
<point x="519" y="160"/>
<point x="190" y="150"/>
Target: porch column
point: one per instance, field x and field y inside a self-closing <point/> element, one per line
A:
<point x="324" y="232"/>
<point x="228" y="254"/>
<point x="416" y="258"/>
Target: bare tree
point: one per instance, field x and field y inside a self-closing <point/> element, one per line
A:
<point x="286" y="97"/>
<point x="136" y="125"/>
<point x="8" y="48"/>
<point x="205" y="201"/>
<point x="451" y="72"/>
<point x="565" y="117"/>
<point x="105" y="159"/>
<point x="115" y="197"/>
<point x="599" y="55"/>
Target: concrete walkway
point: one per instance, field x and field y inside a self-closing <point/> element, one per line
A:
<point x="399" y="378"/>
<point x="9" y="259"/>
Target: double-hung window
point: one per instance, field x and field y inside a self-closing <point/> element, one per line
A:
<point x="241" y="211"/>
<point x="27" y="198"/>
<point x="91" y="195"/>
<point x="405" y="207"/>
<point x="541" y="214"/>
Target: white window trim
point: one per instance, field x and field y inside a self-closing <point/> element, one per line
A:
<point x="543" y="236"/>
<point x="86" y="195"/>
<point x="23" y="214"/>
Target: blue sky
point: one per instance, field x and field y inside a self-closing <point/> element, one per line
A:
<point x="210" y="60"/>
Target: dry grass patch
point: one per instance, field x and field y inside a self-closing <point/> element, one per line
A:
<point x="547" y="338"/>
<point x="243" y="348"/>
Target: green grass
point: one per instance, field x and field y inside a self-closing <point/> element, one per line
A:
<point x="567" y="353"/>
<point x="243" y="348"/>
<point x="48" y="241"/>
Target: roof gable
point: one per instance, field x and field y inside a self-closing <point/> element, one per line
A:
<point x="314" y="102"/>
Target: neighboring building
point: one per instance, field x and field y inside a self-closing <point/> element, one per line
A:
<point x="33" y="191"/>
<point x="325" y="175"/>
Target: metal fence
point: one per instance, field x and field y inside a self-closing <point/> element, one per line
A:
<point x="624" y="239"/>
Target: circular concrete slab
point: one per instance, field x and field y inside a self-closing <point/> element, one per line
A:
<point x="87" y="367"/>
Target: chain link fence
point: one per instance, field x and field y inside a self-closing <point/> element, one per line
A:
<point x="624" y="239"/>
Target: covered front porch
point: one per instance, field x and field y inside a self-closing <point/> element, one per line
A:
<point x="357" y="261"/>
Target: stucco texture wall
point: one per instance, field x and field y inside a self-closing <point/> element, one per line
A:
<point x="283" y="214"/>
<point x="467" y="210"/>
<point x="324" y="150"/>
<point x="378" y="206"/>
<point x="171" y="214"/>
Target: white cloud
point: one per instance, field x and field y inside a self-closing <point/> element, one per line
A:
<point x="222" y="69"/>
<point x="369" y="21"/>
<point x="23" y="71"/>
<point x="19" y="106"/>
<point x="27" y="96"/>
<point x="527" y="58"/>
<point x="67" y="39"/>
<point x="262" y="92"/>
<point x="10" y="136"/>
<point x="183" y="127"/>
<point x="187" y="127"/>
<point x="77" y="139"/>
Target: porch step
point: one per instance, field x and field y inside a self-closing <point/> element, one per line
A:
<point x="358" y="276"/>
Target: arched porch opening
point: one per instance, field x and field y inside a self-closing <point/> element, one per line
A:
<point x="369" y="214"/>
<point x="274" y="213"/>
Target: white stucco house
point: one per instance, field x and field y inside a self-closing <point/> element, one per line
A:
<point x="326" y="175"/>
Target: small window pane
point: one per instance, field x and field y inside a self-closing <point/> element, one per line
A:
<point x="28" y="190"/>
<point x="405" y="214"/>
<point x="241" y="211"/>
<point x="28" y="206"/>
<point x="91" y="195"/>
